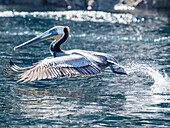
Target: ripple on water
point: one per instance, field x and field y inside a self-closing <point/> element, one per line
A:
<point x="95" y="16"/>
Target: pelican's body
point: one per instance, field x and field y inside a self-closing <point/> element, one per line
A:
<point x="64" y="63"/>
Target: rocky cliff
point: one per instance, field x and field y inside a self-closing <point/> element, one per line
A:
<point x="95" y="4"/>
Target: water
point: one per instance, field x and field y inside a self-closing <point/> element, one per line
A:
<point x="140" y="41"/>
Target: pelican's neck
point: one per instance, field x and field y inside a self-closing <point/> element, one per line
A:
<point x="55" y="45"/>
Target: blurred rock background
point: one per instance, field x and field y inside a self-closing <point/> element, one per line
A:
<point x="94" y="4"/>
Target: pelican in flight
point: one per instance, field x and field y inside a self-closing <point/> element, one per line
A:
<point x="63" y="63"/>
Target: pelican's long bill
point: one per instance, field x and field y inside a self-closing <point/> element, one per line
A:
<point x="55" y="33"/>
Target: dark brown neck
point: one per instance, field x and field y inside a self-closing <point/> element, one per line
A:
<point x="55" y="45"/>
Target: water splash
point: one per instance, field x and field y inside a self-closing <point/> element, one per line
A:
<point x="161" y="80"/>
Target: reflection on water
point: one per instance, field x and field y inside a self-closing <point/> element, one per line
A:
<point x="139" y="42"/>
<point x="58" y="105"/>
<point x="47" y="103"/>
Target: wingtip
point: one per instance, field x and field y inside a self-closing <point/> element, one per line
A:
<point x="9" y="73"/>
<point x="10" y="62"/>
<point x="5" y="70"/>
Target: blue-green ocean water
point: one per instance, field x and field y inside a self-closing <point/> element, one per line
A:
<point x="140" y="41"/>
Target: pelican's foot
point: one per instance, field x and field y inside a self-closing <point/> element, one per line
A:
<point x="119" y="71"/>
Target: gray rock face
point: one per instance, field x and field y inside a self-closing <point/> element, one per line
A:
<point x="58" y="3"/>
<point x="21" y="2"/>
<point x="148" y="4"/>
<point x="94" y="4"/>
<point x="107" y="4"/>
<point x="78" y="4"/>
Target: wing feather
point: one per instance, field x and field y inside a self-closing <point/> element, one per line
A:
<point x="71" y="65"/>
<point x="17" y="68"/>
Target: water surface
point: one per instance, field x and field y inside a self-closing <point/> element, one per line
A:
<point x="139" y="41"/>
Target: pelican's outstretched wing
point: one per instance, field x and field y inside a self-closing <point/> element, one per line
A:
<point x="71" y="65"/>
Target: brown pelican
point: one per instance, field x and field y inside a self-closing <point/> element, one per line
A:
<point x="63" y="63"/>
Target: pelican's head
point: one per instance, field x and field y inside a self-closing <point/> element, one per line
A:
<point x="55" y="33"/>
